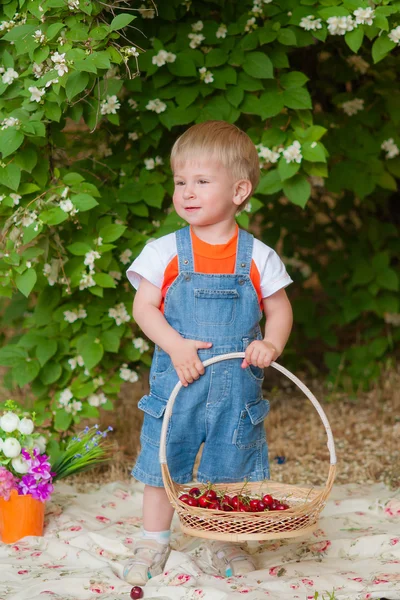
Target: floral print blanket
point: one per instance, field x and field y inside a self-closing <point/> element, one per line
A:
<point x="353" y="555"/>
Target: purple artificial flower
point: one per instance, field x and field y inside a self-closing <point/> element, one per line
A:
<point x="7" y="483"/>
<point x="27" y="485"/>
<point x="43" y="491"/>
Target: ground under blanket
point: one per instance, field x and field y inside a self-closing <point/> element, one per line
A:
<point x="355" y="553"/>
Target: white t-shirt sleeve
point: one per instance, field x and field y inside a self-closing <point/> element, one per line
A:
<point x="273" y="274"/>
<point x="152" y="261"/>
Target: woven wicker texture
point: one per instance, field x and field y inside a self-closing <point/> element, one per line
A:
<point x="305" y="503"/>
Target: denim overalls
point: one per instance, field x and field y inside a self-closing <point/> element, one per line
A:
<point x="224" y="408"/>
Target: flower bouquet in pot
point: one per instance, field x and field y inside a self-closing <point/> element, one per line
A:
<point x="27" y="472"/>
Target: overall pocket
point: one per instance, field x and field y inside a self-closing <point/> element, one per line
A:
<point x="250" y="431"/>
<point x="153" y="408"/>
<point x="215" y="307"/>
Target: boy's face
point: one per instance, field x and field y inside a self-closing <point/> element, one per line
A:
<point x="205" y="192"/>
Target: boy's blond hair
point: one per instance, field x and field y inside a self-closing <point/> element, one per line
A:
<point x="221" y="141"/>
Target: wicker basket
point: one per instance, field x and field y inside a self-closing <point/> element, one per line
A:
<point x="305" y="503"/>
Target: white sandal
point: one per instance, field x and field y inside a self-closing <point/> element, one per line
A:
<point x="230" y="559"/>
<point x="149" y="558"/>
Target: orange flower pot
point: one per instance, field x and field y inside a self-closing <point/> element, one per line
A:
<point x="20" y="516"/>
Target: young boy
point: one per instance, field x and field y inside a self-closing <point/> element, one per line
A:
<point x="200" y="293"/>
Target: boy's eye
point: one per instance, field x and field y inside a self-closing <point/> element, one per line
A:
<point x="179" y="183"/>
<point x="203" y="181"/>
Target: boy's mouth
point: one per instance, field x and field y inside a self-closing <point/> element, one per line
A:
<point x="192" y="208"/>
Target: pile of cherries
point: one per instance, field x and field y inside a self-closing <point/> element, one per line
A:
<point x="209" y="498"/>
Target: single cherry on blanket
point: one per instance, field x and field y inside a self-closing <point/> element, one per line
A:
<point x="136" y="592"/>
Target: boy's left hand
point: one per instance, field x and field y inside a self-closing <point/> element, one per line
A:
<point x="259" y="353"/>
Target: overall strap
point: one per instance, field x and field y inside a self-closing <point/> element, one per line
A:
<point x="184" y="249"/>
<point x="244" y="253"/>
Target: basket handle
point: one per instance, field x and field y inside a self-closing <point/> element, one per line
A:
<point x="210" y="361"/>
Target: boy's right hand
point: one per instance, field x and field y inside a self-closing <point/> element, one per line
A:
<point x="186" y="361"/>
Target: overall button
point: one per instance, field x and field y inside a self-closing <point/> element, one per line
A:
<point x="185" y="262"/>
<point x="241" y="281"/>
<point x="242" y="264"/>
<point x="187" y="277"/>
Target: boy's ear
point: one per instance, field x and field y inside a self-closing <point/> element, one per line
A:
<point x="242" y="191"/>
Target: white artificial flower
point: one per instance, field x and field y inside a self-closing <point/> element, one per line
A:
<point x="9" y="75"/>
<point x="36" y="93"/>
<point x="195" y="39"/>
<point x="26" y="426"/>
<point x="340" y="25"/>
<point x="221" y="31"/>
<point x="10" y="122"/>
<point x="97" y="399"/>
<point x="358" y="63"/>
<point x="293" y="153"/>
<point x="390" y="147"/>
<point x="133" y="136"/>
<point x="67" y="206"/>
<point x="198" y="26"/>
<point x="140" y="344"/>
<point x="146" y="13"/>
<point x="251" y="24"/>
<point x="39" y="36"/>
<point x="353" y="106"/>
<point x="90" y="257"/>
<point x="20" y="465"/>
<point x="9" y="422"/>
<point x="149" y="163"/>
<point x="119" y="313"/>
<point x="15" y="198"/>
<point x="11" y="447"/>
<point x="310" y="23"/>
<point x="127" y="374"/>
<point x="205" y="75"/>
<point x="110" y="105"/>
<point x="364" y="16"/>
<point x="394" y="35"/>
<point x="40" y="443"/>
<point x="125" y="256"/>
<point x="86" y="281"/>
<point x="266" y="154"/>
<point x="156" y="105"/>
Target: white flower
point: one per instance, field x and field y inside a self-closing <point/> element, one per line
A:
<point x="198" y="26"/>
<point x="36" y="93"/>
<point x="76" y="406"/>
<point x="266" y="154"/>
<point x="67" y="206"/>
<point x="340" y="25"/>
<point x="40" y="443"/>
<point x="205" y="75"/>
<point x="116" y="275"/>
<point x="127" y="374"/>
<point x="310" y="23"/>
<point x="58" y="58"/>
<point x="73" y="4"/>
<point x="293" y="153"/>
<point x="394" y="35"/>
<point x="11" y="447"/>
<point x="37" y="70"/>
<point x="358" y="63"/>
<point x="90" y="257"/>
<point x="131" y="51"/>
<point x="98" y="381"/>
<point x="39" y="36"/>
<point x="221" y="31"/>
<point x="364" y="16"/>
<point x="97" y="399"/>
<point x="26" y="426"/>
<point x="86" y="281"/>
<point x="73" y="315"/>
<point x="10" y="122"/>
<point x="146" y="13"/>
<point x="119" y="313"/>
<point x="392" y="319"/>
<point x="390" y="147"/>
<point x="110" y="105"/>
<point x="196" y="39"/>
<point x="51" y="81"/>
<point x="251" y="24"/>
<point x="132" y="103"/>
<point x="65" y="396"/>
<point x="156" y="105"/>
<point x="133" y="136"/>
<point x="125" y="256"/>
<point x="98" y="241"/>
<point x="140" y="344"/>
<point x="9" y="422"/>
<point x="149" y="163"/>
<point x="15" y="198"/>
<point x="73" y="362"/>
<point x="20" y="465"/>
<point x="163" y="57"/>
<point x="353" y="106"/>
<point x="9" y="75"/>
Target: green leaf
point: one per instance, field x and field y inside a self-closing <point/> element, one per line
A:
<point x="216" y="58"/>
<point x="381" y="47"/>
<point x="258" y="65"/>
<point x="269" y="183"/>
<point x="26" y="159"/>
<point x="183" y="66"/>
<point x="53" y="29"/>
<point x="187" y="96"/>
<point x="10" y="176"/>
<point x="110" y="340"/>
<point x="79" y="248"/>
<point x="354" y="38"/>
<point x="92" y="353"/>
<point x="62" y="420"/>
<point x="388" y="279"/>
<point x="121" y="21"/>
<point x="11" y="355"/>
<point x="287" y="37"/>
<point x="83" y="202"/>
<point x="271" y="104"/>
<point x="234" y="95"/>
<point x="51" y="372"/>
<point x="104" y="280"/>
<point x="53" y="216"/>
<point x="110" y="233"/>
<point x="313" y="151"/>
<point x="297" y="98"/>
<point x="297" y="190"/>
<point x="76" y="83"/>
<point x="45" y="350"/>
<point x="25" y="282"/>
<point x="25" y="372"/>
<point x="10" y="140"/>
<point x="287" y="170"/>
<point x="294" y="79"/>
<point x="52" y="111"/>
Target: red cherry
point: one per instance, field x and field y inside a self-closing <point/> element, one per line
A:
<point x="235" y="501"/>
<point x="227" y="500"/>
<point x="203" y="501"/>
<point x="226" y="507"/>
<point x="274" y="505"/>
<point x="214" y="505"/>
<point x="254" y="505"/>
<point x="268" y="499"/>
<point x="192" y="501"/>
<point x="210" y="495"/>
<point x="195" y="492"/>
<point x="261" y="505"/>
<point x="184" y="498"/>
<point x="136" y="592"/>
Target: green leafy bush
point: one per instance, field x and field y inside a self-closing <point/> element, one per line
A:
<point x="85" y="180"/>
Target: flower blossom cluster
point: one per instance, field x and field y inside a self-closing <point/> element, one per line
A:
<point x="8" y="75"/>
<point x="221" y="31"/>
<point x="10" y="122"/>
<point x="390" y="148"/>
<point x="152" y="163"/>
<point x="352" y="107"/>
<point x="156" y="105"/>
<point x="73" y="315"/>
<point x="291" y="154"/>
<point x="140" y="344"/>
<point x="340" y="25"/>
<point x="394" y="35"/>
<point x="68" y="403"/>
<point x="110" y="105"/>
<point x="206" y="75"/>
<point x="97" y="399"/>
<point x="163" y="57"/>
<point x="127" y="374"/>
<point x="119" y="313"/>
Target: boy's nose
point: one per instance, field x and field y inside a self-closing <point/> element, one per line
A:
<point x="188" y="192"/>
